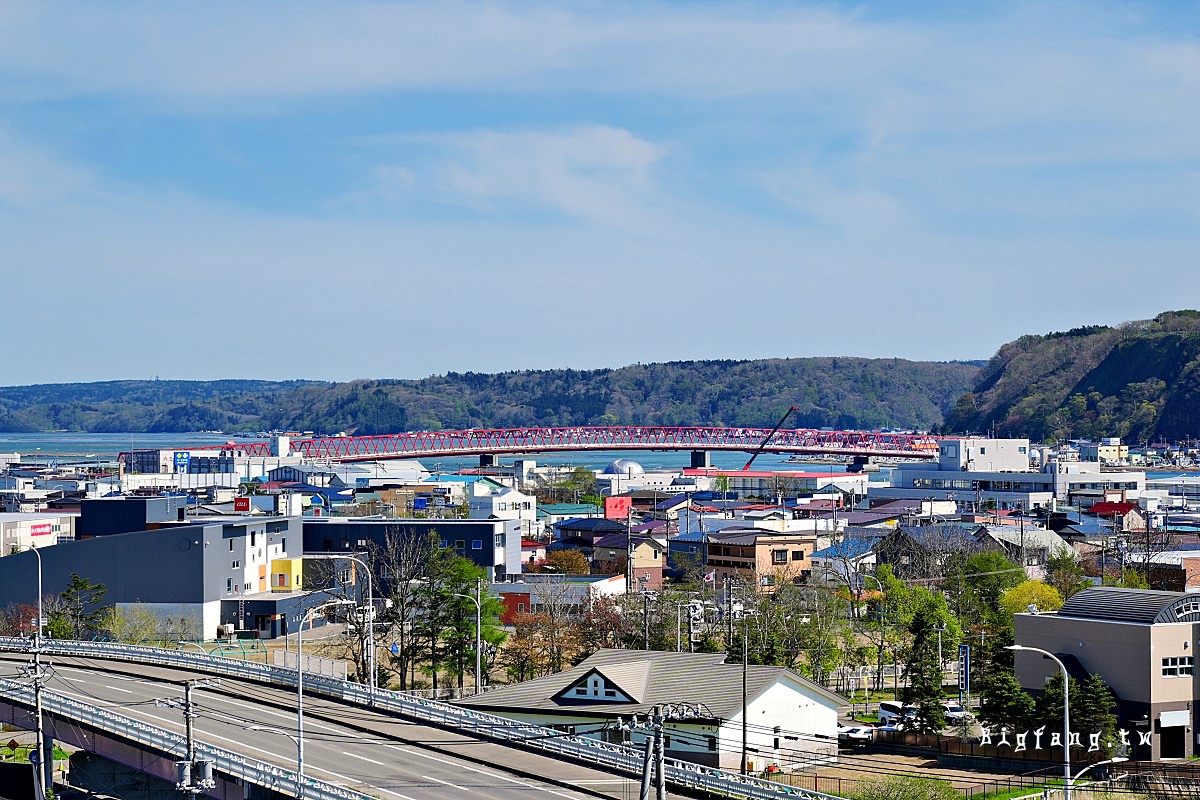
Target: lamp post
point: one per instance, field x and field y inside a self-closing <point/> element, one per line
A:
<point x="300" y="690"/>
<point x="1113" y="760"/>
<point x="477" y="600"/>
<point x="1066" y="713"/>
<point x="368" y="615"/>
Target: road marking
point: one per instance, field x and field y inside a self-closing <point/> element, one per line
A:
<point x="364" y="758"/>
<point x="496" y="775"/>
<point x="117" y="689"/>
<point x="447" y="783"/>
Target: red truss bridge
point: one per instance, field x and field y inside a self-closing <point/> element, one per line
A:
<point x="483" y="442"/>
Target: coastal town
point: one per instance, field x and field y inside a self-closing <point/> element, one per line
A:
<point x="827" y="577"/>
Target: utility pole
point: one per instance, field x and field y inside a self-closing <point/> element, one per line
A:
<point x="44" y="765"/>
<point x="193" y="775"/>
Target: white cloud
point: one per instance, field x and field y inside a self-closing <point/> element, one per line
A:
<point x="586" y="173"/>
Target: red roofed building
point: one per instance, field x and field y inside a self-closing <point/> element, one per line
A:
<point x="1128" y="516"/>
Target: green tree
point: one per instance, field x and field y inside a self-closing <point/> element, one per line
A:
<point x="80" y="613"/>
<point x="1094" y="712"/>
<point x="1049" y="711"/>
<point x="1005" y="704"/>
<point x="924" y="669"/>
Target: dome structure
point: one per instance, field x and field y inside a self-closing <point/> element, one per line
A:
<point x="624" y="466"/>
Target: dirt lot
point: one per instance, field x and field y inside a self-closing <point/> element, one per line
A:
<point x="859" y="765"/>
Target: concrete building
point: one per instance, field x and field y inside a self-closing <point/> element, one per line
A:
<point x="494" y="544"/>
<point x="772" y="558"/>
<point x="1106" y="451"/>
<point x="975" y="471"/>
<point x="202" y="573"/>
<point x="1141" y="643"/>
<point x="23" y="531"/>
<point x="486" y="501"/>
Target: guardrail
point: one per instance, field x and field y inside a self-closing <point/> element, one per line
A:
<point x="619" y="758"/>
<point x="174" y="744"/>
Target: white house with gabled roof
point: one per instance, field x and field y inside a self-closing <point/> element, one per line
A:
<point x="791" y="722"/>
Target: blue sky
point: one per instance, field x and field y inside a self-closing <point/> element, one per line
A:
<point x="393" y="190"/>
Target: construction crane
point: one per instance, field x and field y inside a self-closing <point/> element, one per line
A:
<point x="778" y="425"/>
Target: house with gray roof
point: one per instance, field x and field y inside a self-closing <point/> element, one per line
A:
<point x="791" y="722"/>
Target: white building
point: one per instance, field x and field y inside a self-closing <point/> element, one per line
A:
<point x="23" y="531"/>
<point x="487" y="501"/>
<point x="792" y="722"/>
<point x="976" y="471"/>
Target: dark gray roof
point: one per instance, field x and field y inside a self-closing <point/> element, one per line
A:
<point x="650" y="678"/>
<point x="1145" y="606"/>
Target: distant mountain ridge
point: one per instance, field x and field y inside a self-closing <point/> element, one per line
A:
<point x="1139" y="381"/>
<point x="828" y="392"/>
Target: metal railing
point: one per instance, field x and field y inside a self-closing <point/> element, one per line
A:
<point x="619" y="758"/>
<point x="173" y="744"/>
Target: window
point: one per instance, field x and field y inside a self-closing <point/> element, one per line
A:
<point x="231" y="545"/>
<point x="712" y="743"/>
<point x="477" y="544"/>
<point x="459" y="544"/>
<point x="229" y="584"/>
<point x="1176" y="666"/>
<point x="235" y="565"/>
<point x="779" y="556"/>
<point x="253" y="538"/>
<point x="797" y="555"/>
<point x="520" y="608"/>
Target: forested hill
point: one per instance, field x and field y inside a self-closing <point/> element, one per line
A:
<point x="828" y="392"/>
<point x="1139" y="381"/>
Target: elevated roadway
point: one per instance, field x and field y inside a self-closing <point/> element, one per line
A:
<point x="387" y="745"/>
<point x="502" y="441"/>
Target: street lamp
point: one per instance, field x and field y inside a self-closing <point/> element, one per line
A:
<point x="300" y="690"/>
<point x="1066" y="713"/>
<point x="1113" y="760"/>
<point x="369" y="614"/>
<point x="477" y="600"/>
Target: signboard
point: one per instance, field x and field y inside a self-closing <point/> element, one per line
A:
<point x="182" y="460"/>
<point x="41" y="529"/>
<point x="964" y="671"/>
<point x="241" y="504"/>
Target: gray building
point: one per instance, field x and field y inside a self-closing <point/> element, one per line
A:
<point x="201" y="572"/>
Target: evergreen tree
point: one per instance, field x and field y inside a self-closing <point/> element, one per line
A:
<point x="924" y="671"/>
<point x="1005" y="704"/>
<point x="1096" y="714"/>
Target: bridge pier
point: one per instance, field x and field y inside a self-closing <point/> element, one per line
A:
<point x="862" y="464"/>
<point x="700" y="459"/>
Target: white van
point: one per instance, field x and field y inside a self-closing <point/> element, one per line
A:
<point x="893" y="712"/>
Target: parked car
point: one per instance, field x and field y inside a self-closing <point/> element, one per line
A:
<point x="855" y="734"/>
<point x="893" y="712"/>
<point x="956" y="713"/>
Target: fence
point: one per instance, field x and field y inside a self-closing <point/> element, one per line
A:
<point x="617" y="758"/>
<point x="173" y="744"/>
